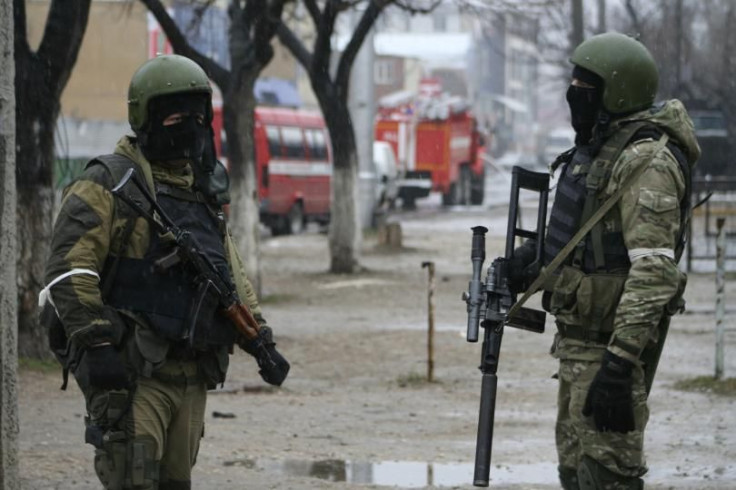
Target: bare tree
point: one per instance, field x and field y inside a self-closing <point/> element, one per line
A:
<point x="9" y="476"/>
<point x="601" y="27"/>
<point x="253" y="25"/>
<point x="331" y="88"/>
<point x="577" y="34"/>
<point x="40" y="78"/>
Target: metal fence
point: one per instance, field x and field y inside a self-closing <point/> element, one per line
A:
<point x="718" y="200"/>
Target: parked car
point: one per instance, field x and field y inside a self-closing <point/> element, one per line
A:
<point x="712" y="133"/>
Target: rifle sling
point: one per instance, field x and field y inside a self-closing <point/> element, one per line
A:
<point x="597" y="216"/>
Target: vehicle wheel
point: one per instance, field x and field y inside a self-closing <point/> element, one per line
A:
<point x="477" y="189"/>
<point x="450" y="198"/>
<point x="465" y="184"/>
<point x="295" y="219"/>
<point x="408" y="203"/>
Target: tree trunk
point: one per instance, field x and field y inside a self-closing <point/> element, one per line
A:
<point x="238" y="107"/>
<point x="345" y="232"/>
<point x="9" y="425"/>
<point x="36" y="115"/>
<point x="40" y="78"/>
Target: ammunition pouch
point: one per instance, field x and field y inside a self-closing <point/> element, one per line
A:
<point x="586" y="300"/>
<point x="213" y="366"/>
<point x="121" y="462"/>
<point x="126" y="464"/>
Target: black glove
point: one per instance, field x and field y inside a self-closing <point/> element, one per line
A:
<point x="273" y="366"/>
<point x="522" y="268"/>
<point x="609" y="398"/>
<point x="106" y="369"/>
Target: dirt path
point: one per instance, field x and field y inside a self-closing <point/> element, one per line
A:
<point x="356" y="411"/>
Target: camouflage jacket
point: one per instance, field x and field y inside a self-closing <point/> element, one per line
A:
<point x="648" y="216"/>
<point x="87" y="229"/>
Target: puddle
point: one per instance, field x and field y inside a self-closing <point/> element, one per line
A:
<point x="407" y="474"/>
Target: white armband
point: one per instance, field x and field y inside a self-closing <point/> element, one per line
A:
<point x="637" y="253"/>
<point x="45" y="294"/>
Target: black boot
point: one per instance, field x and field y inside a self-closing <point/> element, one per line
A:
<point x="594" y="476"/>
<point x="568" y="478"/>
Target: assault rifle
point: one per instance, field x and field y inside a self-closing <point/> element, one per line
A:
<point x="494" y="299"/>
<point x="209" y="281"/>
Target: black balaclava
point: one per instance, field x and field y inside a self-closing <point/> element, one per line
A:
<point x="183" y="140"/>
<point x="585" y="104"/>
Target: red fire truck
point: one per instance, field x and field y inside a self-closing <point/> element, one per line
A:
<point x="437" y="144"/>
<point x="293" y="166"/>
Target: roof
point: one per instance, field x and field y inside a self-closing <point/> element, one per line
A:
<point x="435" y="46"/>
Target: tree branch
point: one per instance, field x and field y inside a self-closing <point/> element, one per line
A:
<point x="293" y="44"/>
<point x="313" y="10"/>
<point x="181" y="46"/>
<point x="367" y="20"/>
<point x="21" y="47"/>
<point x="406" y="6"/>
<point x="322" y="45"/>
<point x="265" y="30"/>
<point x="62" y="38"/>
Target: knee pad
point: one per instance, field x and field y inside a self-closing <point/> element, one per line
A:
<point x="594" y="476"/>
<point x="123" y="464"/>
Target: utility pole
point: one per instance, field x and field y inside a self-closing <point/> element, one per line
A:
<point x="577" y="34"/>
<point x="362" y="111"/>
<point x="602" y="16"/>
<point x="9" y="426"/>
<point x="678" y="49"/>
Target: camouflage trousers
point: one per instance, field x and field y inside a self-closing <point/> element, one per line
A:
<point x="155" y="444"/>
<point x="576" y="436"/>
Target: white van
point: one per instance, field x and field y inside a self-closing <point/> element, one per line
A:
<point x="385" y="167"/>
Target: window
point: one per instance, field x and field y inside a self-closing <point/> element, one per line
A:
<point x="383" y="72"/>
<point x="293" y="142"/>
<point x="316" y="144"/>
<point x="274" y="141"/>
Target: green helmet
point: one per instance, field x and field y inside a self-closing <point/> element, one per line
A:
<point x="164" y="75"/>
<point x="627" y="68"/>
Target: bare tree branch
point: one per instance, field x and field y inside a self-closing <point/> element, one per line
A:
<point x="313" y="10"/>
<point x="59" y="56"/>
<point x="633" y="15"/>
<point x="181" y="46"/>
<point x="20" y="45"/>
<point x="322" y="46"/>
<point x="406" y="6"/>
<point x="293" y="44"/>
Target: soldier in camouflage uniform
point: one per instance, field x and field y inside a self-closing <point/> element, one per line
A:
<point x="613" y="296"/>
<point x="121" y="325"/>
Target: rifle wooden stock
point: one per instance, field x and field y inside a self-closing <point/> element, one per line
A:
<point x="243" y="320"/>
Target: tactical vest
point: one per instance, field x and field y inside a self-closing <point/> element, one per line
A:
<point x="578" y="197"/>
<point x="585" y="295"/>
<point x="170" y="299"/>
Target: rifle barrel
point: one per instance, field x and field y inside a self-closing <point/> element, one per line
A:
<point x="484" y="443"/>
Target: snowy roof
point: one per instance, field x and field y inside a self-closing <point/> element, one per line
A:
<point x="436" y="47"/>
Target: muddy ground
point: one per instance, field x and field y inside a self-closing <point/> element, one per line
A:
<point x="356" y="410"/>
